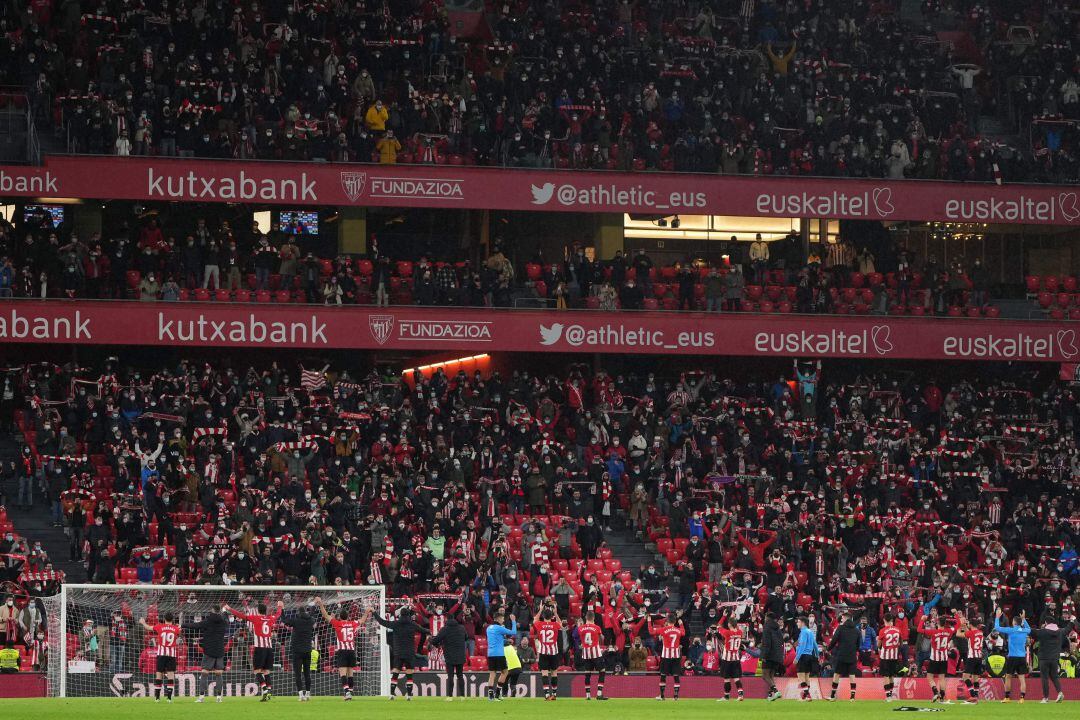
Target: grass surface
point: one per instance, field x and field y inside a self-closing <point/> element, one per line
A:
<point x="519" y="709"/>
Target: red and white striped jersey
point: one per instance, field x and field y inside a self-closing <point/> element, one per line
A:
<point x="670" y="637"/>
<point x="592" y="641"/>
<point x="976" y="642"/>
<point x="940" y="642"/>
<point x="732" y="649"/>
<point x="889" y="641"/>
<point x="547" y="637"/>
<point x="261" y="627"/>
<point x="167" y="636"/>
<point x="345" y="631"/>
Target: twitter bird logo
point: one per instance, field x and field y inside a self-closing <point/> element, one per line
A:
<point x="550" y="335"/>
<point x="542" y="195"/>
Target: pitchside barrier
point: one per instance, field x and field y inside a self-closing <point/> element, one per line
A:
<point x="433" y="684"/>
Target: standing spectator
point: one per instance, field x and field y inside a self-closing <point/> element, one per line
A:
<point x="714" y="291"/>
<point x="759" y="259"/>
<point x="332" y="292"/>
<point x="388" y="148"/>
<point x="376" y="118"/>
<point x="265" y="263"/>
<point x="631" y="296"/>
<point x="149" y="288"/>
<point x="289" y="256"/>
<point x="211" y="265"/>
<point x="980" y="280"/>
<point x="734" y="285"/>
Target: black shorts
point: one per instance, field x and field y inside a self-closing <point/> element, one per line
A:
<point x="973" y="666"/>
<point x="213" y="663"/>
<point x="165" y="664"/>
<point x="1016" y="666"/>
<point x="262" y="659"/>
<point x="591" y="665"/>
<point x="730" y="669"/>
<point x="937" y="667"/>
<point x="345" y="659"/>
<point x="890" y="668"/>
<point x="496" y="662"/>
<point x="405" y="662"/>
<point x="671" y="666"/>
<point x="547" y="662"/>
<point x="844" y="668"/>
<point x="806" y="664"/>
<point x="776" y="668"/>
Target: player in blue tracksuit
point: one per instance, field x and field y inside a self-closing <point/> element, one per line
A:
<point x="496" y="655"/>
<point x="1016" y="657"/>
<point x="805" y="657"/>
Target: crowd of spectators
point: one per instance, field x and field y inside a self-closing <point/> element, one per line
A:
<point x="843" y="88"/>
<point x="798" y="496"/>
<point x="174" y="259"/>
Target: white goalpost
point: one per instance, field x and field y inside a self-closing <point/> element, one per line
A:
<point x="98" y="648"/>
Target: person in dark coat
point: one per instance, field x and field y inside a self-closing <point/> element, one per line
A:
<point x="212" y="628"/>
<point x="1052" y="641"/>
<point x="402" y="650"/>
<point x="844" y="650"/>
<point x="452" y="640"/>
<point x="302" y="625"/>
<point x="772" y="654"/>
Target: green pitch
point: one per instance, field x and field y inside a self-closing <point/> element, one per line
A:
<point x="517" y="709"/>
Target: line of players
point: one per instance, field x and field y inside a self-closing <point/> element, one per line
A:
<point x="546" y="627"/>
<point x="261" y="625"/>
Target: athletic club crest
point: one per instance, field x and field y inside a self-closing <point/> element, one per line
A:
<point x="381" y="327"/>
<point x="353" y="184"/>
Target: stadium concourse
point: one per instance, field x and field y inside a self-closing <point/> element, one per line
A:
<point x="748" y="511"/>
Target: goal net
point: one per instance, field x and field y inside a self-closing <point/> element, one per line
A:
<point x="99" y="648"/>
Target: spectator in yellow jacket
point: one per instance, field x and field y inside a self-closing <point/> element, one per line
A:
<point x="376" y="117"/>
<point x="388" y="148"/>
